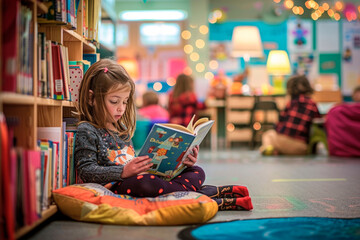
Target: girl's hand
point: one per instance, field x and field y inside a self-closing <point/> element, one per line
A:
<point x="136" y="166"/>
<point x="192" y="157"/>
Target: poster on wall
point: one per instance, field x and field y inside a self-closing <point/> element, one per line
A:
<point x="350" y="57"/>
<point x="299" y="34"/>
<point x="327" y="41"/>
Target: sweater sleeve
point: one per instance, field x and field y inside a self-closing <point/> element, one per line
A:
<point x="88" y="158"/>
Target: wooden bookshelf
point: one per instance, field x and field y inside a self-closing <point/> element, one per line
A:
<point x="238" y="115"/>
<point x="44" y="216"/>
<point x="31" y="110"/>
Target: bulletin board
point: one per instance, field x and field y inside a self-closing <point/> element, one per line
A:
<point x="350" y="56"/>
<point x="300" y="36"/>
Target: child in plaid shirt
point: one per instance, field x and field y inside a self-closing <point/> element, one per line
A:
<point x="183" y="102"/>
<point x="291" y="134"/>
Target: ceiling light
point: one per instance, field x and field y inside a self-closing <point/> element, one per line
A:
<point x="156" y="15"/>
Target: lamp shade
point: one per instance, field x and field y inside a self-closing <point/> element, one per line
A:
<point x="246" y="42"/>
<point x="278" y="63"/>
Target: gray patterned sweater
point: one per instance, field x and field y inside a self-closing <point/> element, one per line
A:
<point x="99" y="155"/>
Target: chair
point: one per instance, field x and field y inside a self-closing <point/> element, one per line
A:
<point x="260" y="125"/>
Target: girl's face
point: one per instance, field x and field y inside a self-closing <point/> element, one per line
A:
<point x="115" y="102"/>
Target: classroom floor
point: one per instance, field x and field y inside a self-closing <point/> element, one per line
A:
<point x="309" y="186"/>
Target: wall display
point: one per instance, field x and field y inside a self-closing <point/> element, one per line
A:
<point x="303" y="63"/>
<point x="299" y="36"/>
<point x="330" y="64"/>
<point x="327" y="41"/>
<point x="350" y="56"/>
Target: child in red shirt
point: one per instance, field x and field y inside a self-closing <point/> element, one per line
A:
<point x="291" y="135"/>
<point x="183" y="102"/>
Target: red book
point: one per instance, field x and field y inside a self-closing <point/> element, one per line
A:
<point x="33" y="158"/>
<point x="10" y="29"/>
<point x="57" y="72"/>
<point x="7" y="204"/>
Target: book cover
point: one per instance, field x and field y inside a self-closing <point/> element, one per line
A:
<point x="57" y="73"/>
<point x="169" y="144"/>
<point x="7" y="204"/>
<point x="64" y="62"/>
<point x="49" y="66"/>
<point x="10" y="49"/>
<point x="76" y="76"/>
<point x="91" y="57"/>
<point x="33" y="162"/>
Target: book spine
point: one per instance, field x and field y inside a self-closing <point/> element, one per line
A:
<point x="10" y="47"/>
<point x="57" y="73"/>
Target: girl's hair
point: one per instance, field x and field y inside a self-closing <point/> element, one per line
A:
<point x="101" y="78"/>
<point x="150" y="98"/>
<point x="184" y="83"/>
<point x="298" y="85"/>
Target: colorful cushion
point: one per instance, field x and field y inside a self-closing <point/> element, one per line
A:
<point x="94" y="203"/>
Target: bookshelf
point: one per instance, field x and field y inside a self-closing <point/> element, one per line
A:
<point x="31" y="110"/>
<point x="238" y="115"/>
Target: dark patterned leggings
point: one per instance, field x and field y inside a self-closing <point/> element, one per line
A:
<point x="150" y="185"/>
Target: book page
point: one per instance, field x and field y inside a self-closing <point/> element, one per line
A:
<point x="166" y="147"/>
<point x="177" y="127"/>
<point x="201" y="132"/>
<point x="190" y="125"/>
<point x="200" y="121"/>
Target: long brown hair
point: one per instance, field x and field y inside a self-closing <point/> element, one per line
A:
<point x="184" y="83"/>
<point x="102" y="78"/>
<point x="297" y="85"/>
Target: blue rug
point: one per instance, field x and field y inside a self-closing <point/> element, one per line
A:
<point x="277" y="228"/>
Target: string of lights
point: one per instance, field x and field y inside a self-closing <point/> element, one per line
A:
<point x="334" y="9"/>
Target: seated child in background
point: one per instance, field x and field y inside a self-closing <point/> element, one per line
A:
<point x="183" y="102"/>
<point x="104" y="152"/>
<point x="291" y="134"/>
<point x="151" y="108"/>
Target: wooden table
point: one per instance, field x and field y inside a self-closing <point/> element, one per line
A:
<point x="212" y="110"/>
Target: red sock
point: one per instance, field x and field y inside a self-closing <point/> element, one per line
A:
<point x="235" y="191"/>
<point x="240" y="190"/>
<point x="243" y="203"/>
<point x="227" y="191"/>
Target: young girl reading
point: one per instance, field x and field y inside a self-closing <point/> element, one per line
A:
<point x="104" y="152"/>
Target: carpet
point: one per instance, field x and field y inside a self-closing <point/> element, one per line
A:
<point x="277" y="228"/>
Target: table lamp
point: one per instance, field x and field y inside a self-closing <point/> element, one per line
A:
<point x="278" y="65"/>
<point x="246" y="43"/>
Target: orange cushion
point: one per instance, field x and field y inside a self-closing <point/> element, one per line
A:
<point x="94" y="203"/>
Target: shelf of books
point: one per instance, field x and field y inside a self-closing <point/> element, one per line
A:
<point x="45" y="50"/>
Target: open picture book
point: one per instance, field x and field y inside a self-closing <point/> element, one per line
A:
<point x="169" y="144"/>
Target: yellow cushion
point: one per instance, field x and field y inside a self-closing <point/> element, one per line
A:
<point x="94" y="203"/>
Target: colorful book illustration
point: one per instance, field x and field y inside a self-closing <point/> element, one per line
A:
<point x="169" y="144"/>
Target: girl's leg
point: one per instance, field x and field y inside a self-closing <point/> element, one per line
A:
<point x="289" y="145"/>
<point x="230" y="197"/>
<point x="243" y="203"/>
<point x="228" y="191"/>
<point x="268" y="138"/>
<point x="150" y="185"/>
